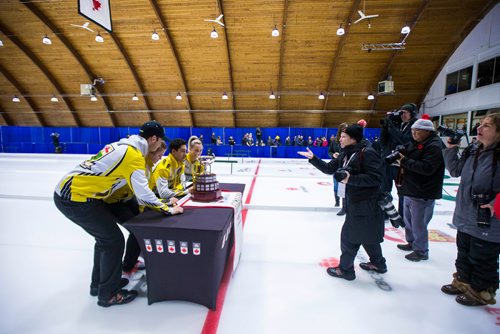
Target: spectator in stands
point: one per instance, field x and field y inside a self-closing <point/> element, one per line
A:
<point x="270" y="141"/>
<point x="324" y="142"/>
<point x="201" y="138"/>
<point x="309" y="141"/>
<point x="360" y="169"/>
<point x="258" y="135"/>
<point x="213" y="139"/>
<point x="80" y="194"/>
<point x="219" y="141"/>
<point x="231" y="141"/>
<point x="318" y="142"/>
<point x="300" y="141"/>
<point x="277" y="141"/>
<point x="250" y="140"/>
<point x="168" y="176"/>
<point x="288" y="141"/>
<point x="475" y="281"/>
<point x="334" y="151"/>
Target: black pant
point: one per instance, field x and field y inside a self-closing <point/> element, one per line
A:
<point x="477" y="262"/>
<point x="99" y="220"/>
<point x="350" y="250"/>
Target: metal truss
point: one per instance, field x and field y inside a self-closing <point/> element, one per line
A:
<point x="382" y="47"/>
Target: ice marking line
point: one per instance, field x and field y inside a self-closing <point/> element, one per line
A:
<point x="213" y="317"/>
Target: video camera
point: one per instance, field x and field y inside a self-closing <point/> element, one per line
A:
<point x="454" y="135"/>
<point x="394" y="117"/>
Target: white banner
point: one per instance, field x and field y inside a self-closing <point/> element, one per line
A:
<point x="228" y="200"/>
<point x="98" y="11"/>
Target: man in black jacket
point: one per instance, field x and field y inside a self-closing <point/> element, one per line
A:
<point x="422" y="173"/>
<point x="358" y="168"/>
<point x="396" y="130"/>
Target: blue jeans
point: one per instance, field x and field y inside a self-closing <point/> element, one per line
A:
<point x="417" y="215"/>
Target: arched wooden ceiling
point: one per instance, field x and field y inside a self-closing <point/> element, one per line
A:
<point x="245" y="61"/>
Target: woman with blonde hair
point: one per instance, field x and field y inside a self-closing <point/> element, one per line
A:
<point x="192" y="164"/>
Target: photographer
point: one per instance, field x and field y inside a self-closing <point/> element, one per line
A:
<point x="359" y="169"/>
<point x="478" y="231"/>
<point x="396" y="130"/>
<point x="421" y="178"/>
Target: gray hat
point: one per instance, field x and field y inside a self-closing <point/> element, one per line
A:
<point x="424" y="124"/>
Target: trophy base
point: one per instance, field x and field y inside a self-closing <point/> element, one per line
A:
<point x="206" y="196"/>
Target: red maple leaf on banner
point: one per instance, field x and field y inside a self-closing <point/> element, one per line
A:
<point x="97" y="5"/>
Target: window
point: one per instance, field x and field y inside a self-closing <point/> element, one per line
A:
<point x="488" y="72"/>
<point x="459" y="81"/>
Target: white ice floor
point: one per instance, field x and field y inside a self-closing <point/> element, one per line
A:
<point x="291" y="234"/>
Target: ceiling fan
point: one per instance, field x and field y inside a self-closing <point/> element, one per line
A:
<point x="217" y="20"/>
<point x="84" y="26"/>
<point x="363" y="16"/>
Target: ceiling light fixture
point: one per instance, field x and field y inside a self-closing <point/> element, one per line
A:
<point x="99" y="38"/>
<point x="406" y="29"/>
<point x="179" y="96"/>
<point x="54" y="99"/>
<point x="1" y="43"/>
<point x="340" y="30"/>
<point x="272" y="96"/>
<point x="155" y="36"/>
<point x="93" y="98"/>
<point x="321" y="96"/>
<point x="224" y="96"/>
<point x="135" y="98"/>
<point x="214" y="34"/>
<point x="343" y="93"/>
<point x="371" y="97"/>
<point x="46" y="40"/>
<point x="275" y="32"/>
<point x="15" y="99"/>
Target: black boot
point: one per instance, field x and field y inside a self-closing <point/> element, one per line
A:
<point x="337" y="199"/>
<point x="342" y="211"/>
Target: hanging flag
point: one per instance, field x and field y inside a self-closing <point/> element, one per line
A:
<point x="98" y="11"/>
<point x="171" y="246"/>
<point x="147" y="243"/>
<point x="159" y="246"/>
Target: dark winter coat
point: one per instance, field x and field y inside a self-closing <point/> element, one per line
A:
<point x="393" y="135"/>
<point x="364" y="219"/>
<point x="423" y="169"/>
<point x="480" y="181"/>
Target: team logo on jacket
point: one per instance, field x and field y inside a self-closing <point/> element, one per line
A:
<point x="184" y="247"/>
<point x="171" y="246"/>
<point x="147" y="244"/>
<point x="196" y="248"/>
<point x="159" y="245"/>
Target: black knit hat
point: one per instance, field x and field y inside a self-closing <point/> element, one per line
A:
<point x="411" y="107"/>
<point x="152" y="128"/>
<point x="355" y="131"/>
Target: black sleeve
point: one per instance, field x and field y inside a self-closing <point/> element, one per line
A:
<point x="326" y="167"/>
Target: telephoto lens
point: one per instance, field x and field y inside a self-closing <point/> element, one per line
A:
<point x="391" y="212"/>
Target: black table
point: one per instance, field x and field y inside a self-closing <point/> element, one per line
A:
<point x="202" y="238"/>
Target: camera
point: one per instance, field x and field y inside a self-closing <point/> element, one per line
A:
<point x="341" y="173"/>
<point x="391" y="158"/>
<point x="393" y="117"/>
<point x="391" y="212"/>
<point x="483" y="215"/>
<point x="454" y="135"/>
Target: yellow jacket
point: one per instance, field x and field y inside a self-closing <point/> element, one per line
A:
<point x="168" y="178"/>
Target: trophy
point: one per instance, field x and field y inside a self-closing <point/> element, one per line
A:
<point x="207" y="161"/>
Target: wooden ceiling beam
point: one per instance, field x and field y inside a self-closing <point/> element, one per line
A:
<point x="23" y="92"/>
<point x="230" y="68"/>
<point x="282" y="52"/>
<point x="163" y="23"/>
<point x="131" y="66"/>
<point x="57" y="32"/>
<point x="412" y="24"/>
<point x="340" y="46"/>
<point x="6" y="117"/>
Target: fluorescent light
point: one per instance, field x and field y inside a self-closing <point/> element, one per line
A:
<point x="135" y="98"/>
<point x="46" y="40"/>
<point x="214" y="34"/>
<point x="179" y="96"/>
<point x="321" y="96"/>
<point x="224" y="96"/>
<point x="340" y="31"/>
<point x="405" y="30"/>
<point x="272" y="96"/>
<point x="275" y="32"/>
<point x="15" y="99"/>
<point x="99" y="38"/>
<point x="54" y="99"/>
<point x="371" y="97"/>
<point x="155" y="36"/>
<point x="93" y="98"/>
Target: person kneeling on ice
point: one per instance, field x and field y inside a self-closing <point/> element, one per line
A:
<point x="359" y="168"/>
